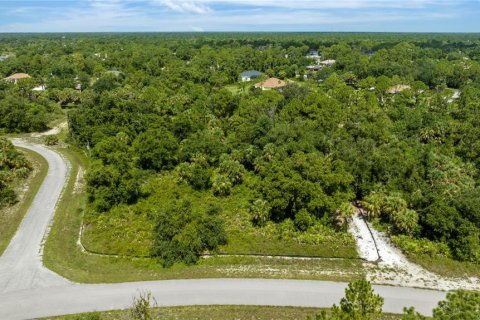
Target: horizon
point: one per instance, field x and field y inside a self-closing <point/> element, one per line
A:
<point x="239" y="16"/>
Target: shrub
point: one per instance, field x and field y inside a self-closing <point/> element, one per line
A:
<point x="260" y="212"/>
<point x="462" y="304"/>
<point x="182" y="234"/>
<point x="221" y="185"/>
<point x="421" y="246"/>
<point x="50" y="140"/>
<point x="303" y="220"/>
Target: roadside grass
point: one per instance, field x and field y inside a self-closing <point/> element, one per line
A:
<point x="26" y="189"/>
<point x="229" y="312"/>
<point x="433" y="256"/>
<point x="446" y="267"/>
<point x="63" y="255"/>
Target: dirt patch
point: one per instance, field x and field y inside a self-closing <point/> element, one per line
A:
<point x="385" y="264"/>
<point x="55" y="130"/>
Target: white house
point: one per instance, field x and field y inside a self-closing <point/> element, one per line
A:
<point x="250" y="75"/>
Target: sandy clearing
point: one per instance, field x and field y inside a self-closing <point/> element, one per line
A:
<point x="393" y="267"/>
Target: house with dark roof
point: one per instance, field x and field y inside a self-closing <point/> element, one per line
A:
<point x="313" y="54"/>
<point x="249" y="75"/>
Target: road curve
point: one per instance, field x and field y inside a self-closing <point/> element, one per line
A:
<point x="21" y="264"/>
<point x="29" y="290"/>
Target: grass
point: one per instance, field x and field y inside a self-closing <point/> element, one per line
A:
<point x="446" y="267"/>
<point x="63" y="255"/>
<point x="213" y="313"/>
<point x="12" y="216"/>
<point x="239" y="88"/>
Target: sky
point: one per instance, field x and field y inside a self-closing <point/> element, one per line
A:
<point x="240" y="15"/>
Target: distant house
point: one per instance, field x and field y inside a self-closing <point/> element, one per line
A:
<point x="16" y="76"/>
<point x="328" y="63"/>
<point x="249" y="75"/>
<point x="3" y="58"/>
<point x="41" y="87"/>
<point x="272" y="83"/>
<point x="313" y="54"/>
<point x="398" y="88"/>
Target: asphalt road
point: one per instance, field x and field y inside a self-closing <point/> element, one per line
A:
<point x="29" y="290"/>
<point x="21" y="264"/>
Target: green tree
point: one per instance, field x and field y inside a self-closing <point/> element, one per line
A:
<point x="182" y="233"/>
<point x="142" y="306"/>
<point x="460" y="305"/>
<point x="156" y="149"/>
<point x="360" y="303"/>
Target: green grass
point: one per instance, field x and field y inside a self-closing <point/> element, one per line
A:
<point x="63" y="255"/>
<point x="12" y="216"/>
<point x="447" y="267"/>
<point x="214" y="313"/>
<point x="239" y="88"/>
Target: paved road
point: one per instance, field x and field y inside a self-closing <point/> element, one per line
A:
<point x="81" y="298"/>
<point x="21" y="264"/>
<point x="28" y="290"/>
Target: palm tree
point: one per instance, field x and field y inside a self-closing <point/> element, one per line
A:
<point x="373" y="204"/>
<point x="343" y="215"/>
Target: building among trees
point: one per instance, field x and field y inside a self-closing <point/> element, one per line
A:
<point x="16" y="76"/>
<point x="250" y="75"/>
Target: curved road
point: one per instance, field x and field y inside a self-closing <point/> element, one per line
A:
<point x="29" y="290"/>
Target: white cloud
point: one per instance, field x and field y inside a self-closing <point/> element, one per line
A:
<point x="184" y="6"/>
<point x="311" y="4"/>
<point x="215" y="15"/>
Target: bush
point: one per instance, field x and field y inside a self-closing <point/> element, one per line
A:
<point x="182" y="234"/>
<point x="303" y="220"/>
<point x="197" y="173"/>
<point x="260" y="212"/>
<point x="462" y="304"/>
<point x="421" y="246"/>
<point x="221" y="185"/>
<point x="50" y="140"/>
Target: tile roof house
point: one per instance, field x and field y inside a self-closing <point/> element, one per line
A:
<point x="249" y="75"/>
<point x="17" y="76"/>
<point x="272" y="83"/>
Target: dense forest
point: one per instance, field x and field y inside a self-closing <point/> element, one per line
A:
<point x="392" y="125"/>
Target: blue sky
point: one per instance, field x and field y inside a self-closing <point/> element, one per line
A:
<point x="240" y="15"/>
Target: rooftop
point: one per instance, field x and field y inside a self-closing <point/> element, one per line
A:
<point x="271" y="83"/>
<point x="251" y="73"/>
<point x="17" y="76"/>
